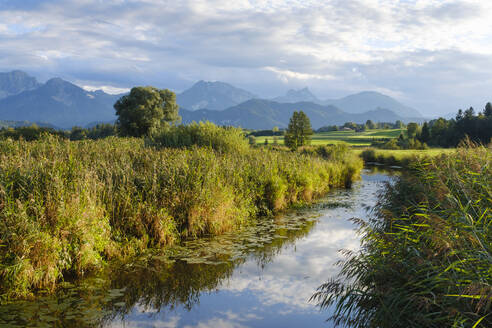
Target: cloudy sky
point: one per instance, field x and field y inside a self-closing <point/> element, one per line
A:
<point x="435" y="55"/>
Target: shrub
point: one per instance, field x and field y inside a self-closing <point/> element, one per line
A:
<point x="329" y="152"/>
<point x="221" y="139"/>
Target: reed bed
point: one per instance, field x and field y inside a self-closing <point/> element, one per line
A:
<point x="426" y="257"/>
<point x="399" y="157"/>
<point x="68" y="208"/>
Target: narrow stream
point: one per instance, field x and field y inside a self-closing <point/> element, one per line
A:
<point x="260" y="277"/>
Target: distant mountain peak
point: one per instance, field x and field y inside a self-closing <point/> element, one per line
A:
<point x="15" y="82"/>
<point x="56" y="80"/>
<point x="303" y="91"/>
<point x="299" y="95"/>
<point x="371" y="100"/>
<point x="58" y="102"/>
<point x="212" y="95"/>
<point x="63" y="91"/>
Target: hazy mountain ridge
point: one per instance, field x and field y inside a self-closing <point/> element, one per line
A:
<point x="212" y="96"/>
<point x="265" y="114"/>
<point x="60" y="103"/>
<point x="220" y="96"/>
<point x="15" y="82"/>
<point x="63" y="104"/>
<point x="294" y="96"/>
<point x="370" y="100"/>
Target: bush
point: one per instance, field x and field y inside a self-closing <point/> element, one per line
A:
<point x="221" y="139"/>
<point x="369" y="155"/>
<point x="329" y="152"/>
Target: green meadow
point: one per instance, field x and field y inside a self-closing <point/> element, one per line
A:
<point x="355" y="139"/>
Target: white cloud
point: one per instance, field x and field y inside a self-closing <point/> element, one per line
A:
<point x="314" y="43"/>
<point x="106" y="88"/>
<point x="286" y="75"/>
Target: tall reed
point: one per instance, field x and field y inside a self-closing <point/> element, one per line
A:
<point x="67" y="207"/>
<point x="426" y="257"/>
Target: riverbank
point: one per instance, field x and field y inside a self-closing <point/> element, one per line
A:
<point x="69" y="208"/>
<point x="427" y="254"/>
<point x="258" y="276"/>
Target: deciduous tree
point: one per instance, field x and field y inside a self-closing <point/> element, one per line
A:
<point x="144" y="110"/>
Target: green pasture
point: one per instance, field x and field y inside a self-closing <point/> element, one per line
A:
<point x="356" y="139"/>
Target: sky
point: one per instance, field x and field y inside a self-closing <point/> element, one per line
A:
<point x="433" y="55"/>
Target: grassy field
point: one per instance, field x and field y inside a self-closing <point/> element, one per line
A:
<point x="357" y="139"/>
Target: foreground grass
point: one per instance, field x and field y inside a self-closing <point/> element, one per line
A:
<point x="357" y="139"/>
<point x="426" y="259"/>
<point x="67" y="208"/>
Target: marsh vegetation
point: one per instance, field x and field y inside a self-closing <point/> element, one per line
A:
<point x="68" y="208"/>
<point x="426" y="255"/>
<point x="261" y="274"/>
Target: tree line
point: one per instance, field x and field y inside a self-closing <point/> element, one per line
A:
<point x="361" y="127"/>
<point x="34" y="132"/>
<point x="448" y="133"/>
<point x="477" y="127"/>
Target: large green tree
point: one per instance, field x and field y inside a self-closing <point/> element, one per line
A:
<point x="299" y="131"/>
<point x="144" y="110"/>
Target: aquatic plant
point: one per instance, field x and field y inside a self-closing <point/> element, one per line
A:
<point x="426" y="256"/>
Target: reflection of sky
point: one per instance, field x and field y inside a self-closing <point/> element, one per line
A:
<point x="277" y="294"/>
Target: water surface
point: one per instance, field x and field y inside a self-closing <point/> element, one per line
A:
<point x="262" y="276"/>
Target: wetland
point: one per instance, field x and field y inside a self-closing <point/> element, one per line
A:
<point x="262" y="275"/>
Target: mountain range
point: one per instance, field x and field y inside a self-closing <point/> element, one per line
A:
<point x="56" y="102"/>
<point x="64" y="104"/>
<point x="370" y="100"/>
<point x="265" y="114"/>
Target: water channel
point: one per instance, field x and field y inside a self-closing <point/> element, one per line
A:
<point x="262" y="276"/>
